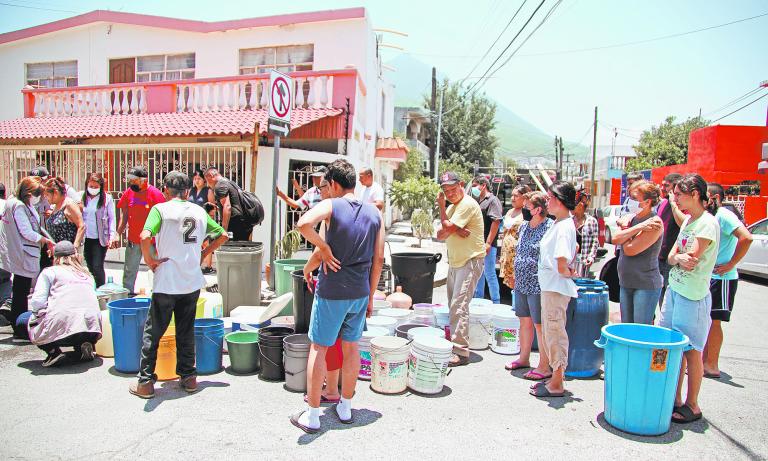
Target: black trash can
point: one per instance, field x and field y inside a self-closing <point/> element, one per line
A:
<point x="302" y="302"/>
<point x="415" y="272"/>
<point x="271" y="352"/>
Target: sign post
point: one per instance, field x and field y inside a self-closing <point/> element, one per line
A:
<point x="279" y="124"/>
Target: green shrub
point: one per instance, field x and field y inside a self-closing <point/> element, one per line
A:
<point x="414" y="193"/>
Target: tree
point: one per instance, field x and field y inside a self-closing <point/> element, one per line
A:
<point x="460" y="168"/>
<point x="664" y="145"/>
<point x="413" y="167"/>
<point x="467" y="124"/>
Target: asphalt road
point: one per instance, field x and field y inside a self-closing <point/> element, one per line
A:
<point x="85" y="412"/>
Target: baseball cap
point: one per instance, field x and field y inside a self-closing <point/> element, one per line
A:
<point x="177" y="180"/>
<point x="319" y="172"/>
<point x="64" y="248"/>
<point x="39" y="171"/>
<point x="137" y="172"/>
<point x="448" y="178"/>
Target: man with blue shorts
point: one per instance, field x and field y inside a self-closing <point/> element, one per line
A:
<point x="350" y="260"/>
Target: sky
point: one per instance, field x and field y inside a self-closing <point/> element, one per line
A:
<point x="548" y="82"/>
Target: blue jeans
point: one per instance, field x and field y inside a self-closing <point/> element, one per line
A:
<point x="489" y="272"/>
<point x="638" y="306"/>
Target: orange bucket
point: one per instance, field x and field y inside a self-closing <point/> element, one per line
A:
<point x="165" y="368"/>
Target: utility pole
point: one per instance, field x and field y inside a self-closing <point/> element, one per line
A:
<point x="439" y="132"/>
<point x="557" y="160"/>
<point x="432" y="107"/>
<point x="594" y="154"/>
<point x="561" y="157"/>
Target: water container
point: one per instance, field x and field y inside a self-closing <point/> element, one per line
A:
<point x="428" y="363"/>
<point x="243" y="349"/>
<point x="585" y="316"/>
<point x="401" y="316"/>
<point x="379" y="304"/>
<point x="165" y="367"/>
<point x="209" y="344"/>
<point x="642" y="366"/>
<point x="284" y="268"/>
<point x="239" y="274"/>
<point x="214" y="305"/>
<point x="104" y="346"/>
<point x="413" y="333"/>
<point x="443" y="320"/>
<point x="127" y="318"/>
<point x="402" y="330"/>
<point x="400" y="300"/>
<point x="506" y="333"/>
<point x="302" y="302"/>
<point x="382" y="321"/>
<point x="389" y="356"/>
<point x="480" y="327"/>
<point x="295" y="356"/>
<point x="415" y="272"/>
<point x="480" y="302"/>
<point x="364" y="346"/>
<point x="271" y="352"/>
<point x="110" y="291"/>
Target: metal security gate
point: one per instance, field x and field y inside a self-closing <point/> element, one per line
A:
<point x="299" y="171"/>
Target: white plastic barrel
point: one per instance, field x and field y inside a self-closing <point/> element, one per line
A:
<point x="428" y="363"/>
<point x="480" y="327"/>
<point x="506" y="333"/>
<point x="401" y="316"/>
<point x="429" y="331"/>
<point x="389" y="358"/>
<point x="364" y="345"/>
<point x="380" y="321"/>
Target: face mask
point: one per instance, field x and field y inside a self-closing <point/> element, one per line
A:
<point x="527" y="215"/>
<point x="475" y="192"/>
<point x="94" y="190"/>
<point x="633" y="206"/>
<point x="135" y="187"/>
<point x="34" y="200"/>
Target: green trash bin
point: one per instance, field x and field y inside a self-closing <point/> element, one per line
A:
<point x="284" y="281"/>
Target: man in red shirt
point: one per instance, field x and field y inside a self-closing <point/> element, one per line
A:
<point x="134" y="208"/>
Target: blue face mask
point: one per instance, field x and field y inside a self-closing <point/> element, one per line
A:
<point x="475" y="191"/>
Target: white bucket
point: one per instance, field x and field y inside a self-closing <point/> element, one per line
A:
<point x="401" y="316"/>
<point x="424" y="318"/>
<point x="380" y="321"/>
<point x="480" y="302"/>
<point x="501" y="309"/>
<point x="506" y="333"/>
<point x="428" y="363"/>
<point x="429" y="331"/>
<point x="364" y="345"/>
<point x="379" y="304"/>
<point x="480" y="327"/>
<point x="443" y="320"/>
<point x="389" y="364"/>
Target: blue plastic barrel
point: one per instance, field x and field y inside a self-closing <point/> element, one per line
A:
<point x="127" y="317"/>
<point x="209" y="344"/>
<point x="642" y="366"/>
<point x="585" y="316"/>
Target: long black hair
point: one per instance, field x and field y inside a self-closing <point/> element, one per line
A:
<point x="565" y="192"/>
<point x="99" y="178"/>
<point x="713" y="189"/>
<point x="694" y="182"/>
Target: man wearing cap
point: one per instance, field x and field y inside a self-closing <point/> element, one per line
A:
<point x="462" y="230"/>
<point x="134" y="208"/>
<point x="308" y="199"/>
<point x="179" y="228"/>
<point x="43" y="174"/>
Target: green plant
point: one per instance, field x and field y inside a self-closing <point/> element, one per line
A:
<point x="414" y="193"/>
<point x="462" y="169"/>
<point x="413" y="167"/>
<point x="422" y="224"/>
<point x="288" y="245"/>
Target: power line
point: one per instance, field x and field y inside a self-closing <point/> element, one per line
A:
<point x="735" y="101"/>
<point x="38" y="8"/>
<point x="742" y="107"/>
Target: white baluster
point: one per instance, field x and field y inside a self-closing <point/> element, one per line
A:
<point x="47" y="105"/>
<point x="116" y="103"/>
<point x="67" y="104"/>
<point x="220" y="101"/>
<point x="324" y="91"/>
<point x="330" y="91"/>
<point x="189" y="97"/>
<point x="254" y="95"/>
<point x="91" y="98"/>
<point x="124" y="102"/>
<point x="242" y="104"/>
<point x="264" y="94"/>
<point x="142" y="101"/>
<point x="311" y="97"/>
<point x="233" y="101"/>
<point x="106" y="104"/>
<point x="38" y="104"/>
<point x="134" y="100"/>
<point x="299" y="99"/>
<point x="208" y="102"/>
<point x="224" y="92"/>
<point x="180" y="99"/>
<point x="198" y="98"/>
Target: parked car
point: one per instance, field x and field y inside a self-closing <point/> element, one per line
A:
<point x="755" y="262"/>
<point x="607" y="217"/>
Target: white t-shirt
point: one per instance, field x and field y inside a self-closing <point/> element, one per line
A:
<point x="558" y="242"/>
<point x="371" y="194"/>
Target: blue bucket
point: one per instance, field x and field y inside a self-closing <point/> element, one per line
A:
<point x="127" y="317"/>
<point x="209" y="343"/>
<point x="642" y="366"/>
<point x="585" y="317"/>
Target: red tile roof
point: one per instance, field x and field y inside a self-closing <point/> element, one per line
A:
<point x="166" y="124"/>
<point x="391" y="149"/>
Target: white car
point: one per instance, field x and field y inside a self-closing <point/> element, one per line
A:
<point x="610" y="215"/>
<point x="755" y="262"/>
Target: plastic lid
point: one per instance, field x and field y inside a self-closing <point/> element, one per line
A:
<point x="373" y="332"/>
<point x="420" y="331"/>
<point x="442" y="310"/>
<point x="395" y="312"/>
<point x="504" y="315"/>
<point x="480" y="310"/>
<point x="433" y="342"/>
<point x="389" y="342"/>
<point x="381" y="320"/>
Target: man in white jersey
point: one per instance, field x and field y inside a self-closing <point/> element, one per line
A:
<point x="179" y="228"/>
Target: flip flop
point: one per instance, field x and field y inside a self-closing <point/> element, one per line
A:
<point x="307" y="429"/>
<point x="323" y="399"/>
<point x="534" y="375"/>
<point x="688" y="415"/>
<point x="543" y="392"/>
<point x="343" y="421"/>
<point x="516" y="365"/>
<point x="537" y="384"/>
<point x="712" y="375"/>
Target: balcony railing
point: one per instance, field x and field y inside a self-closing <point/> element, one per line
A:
<point x="418" y="145"/>
<point x="312" y="89"/>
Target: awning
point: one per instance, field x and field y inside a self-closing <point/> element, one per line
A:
<point x="392" y="149"/>
<point x="173" y="124"/>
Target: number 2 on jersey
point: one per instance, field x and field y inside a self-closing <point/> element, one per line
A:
<point x="189" y="226"/>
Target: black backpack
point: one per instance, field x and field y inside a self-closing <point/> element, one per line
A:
<point x="253" y="210"/>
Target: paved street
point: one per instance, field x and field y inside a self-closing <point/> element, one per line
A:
<point x="85" y="412"/>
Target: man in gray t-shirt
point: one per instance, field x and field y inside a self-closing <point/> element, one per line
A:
<point x="490" y="205"/>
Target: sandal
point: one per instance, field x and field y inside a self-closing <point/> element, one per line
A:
<point x="688" y="415"/>
<point x="516" y="365"/>
<point x="543" y="392"/>
<point x="534" y="375"/>
<point x="307" y="429"/>
<point x="323" y="399"/>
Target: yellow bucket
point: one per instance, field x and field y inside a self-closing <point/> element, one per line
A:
<point x="165" y="368"/>
<point x="199" y="311"/>
<point x="104" y="346"/>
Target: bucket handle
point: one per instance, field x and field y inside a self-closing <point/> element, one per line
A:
<point x="436" y="258"/>
<point x="267" y="358"/>
<point x="407" y="345"/>
<point x="442" y="372"/>
<point x="209" y="339"/>
<point x="601" y="342"/>
<point x="688" y="347"/>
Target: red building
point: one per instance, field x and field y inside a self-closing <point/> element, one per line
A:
<point x="728" y="155"/>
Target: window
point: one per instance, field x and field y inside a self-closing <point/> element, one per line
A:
<point x="165" y="67"/>
<point x="281" y="58"/>
<point x="760" y="228"/>
<point x="52" y="74"/>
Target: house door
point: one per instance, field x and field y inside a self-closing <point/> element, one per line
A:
<point x="122" y="70"/>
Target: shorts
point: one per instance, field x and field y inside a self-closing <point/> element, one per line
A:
<point x="723" y="295"/>
<point x="687" y="316"/>
<point x="528" y="306"/>
<point x="337" y="318"/>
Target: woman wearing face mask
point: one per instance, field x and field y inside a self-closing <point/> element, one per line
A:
<point x="99" y="216"/>
<point x="66" y="220"/>
<point x="511" y="223"/>
<point x="640" y="280"/>
<point x="586" y="234"/>
<point x="20" y="242"/>
<point x="527" y="291"/>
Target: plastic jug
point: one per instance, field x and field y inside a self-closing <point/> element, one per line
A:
<point x="399" y="299"/>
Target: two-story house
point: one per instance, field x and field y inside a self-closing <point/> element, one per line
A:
<point x="103" y="91"/>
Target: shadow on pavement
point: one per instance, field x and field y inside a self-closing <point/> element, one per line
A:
<point x="170" y="390"/>
<point x="113" y="371"/>
<point x="13" y="341"/>
<point x="475" y="358"/>
<point x="68" y="367"/>
<point x="725" y="378"/>
<point x="228" y="370"/>
<point x="330" y="422"/>
<point x="674" y="434"/>
<point x="444" y="393"/>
